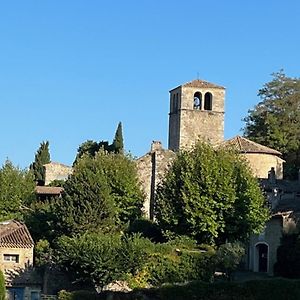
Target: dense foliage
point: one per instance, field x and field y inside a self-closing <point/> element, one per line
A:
<point x="271" y="289"/>
<point x="92" y="147"/>
<point x="2" y="287"/>
<point x="100" y="259"/>
<point x="102" y="192"/>
<point x="16" y="191"/>
<point x="118" y="144"/>
<point x="288" y="257"/>
<point x="211" y="196"/>
<point x="274" y="121"/>
<point x="42" y="157"/>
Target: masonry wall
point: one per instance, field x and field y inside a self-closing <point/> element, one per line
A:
<point x="187" y="125"/>
<point x="25" y="258"/>
<point x="151" y="170"/>
<point x="56" y="171"/>
<point x="271" y="237"/>
<point x="261" y="164"/>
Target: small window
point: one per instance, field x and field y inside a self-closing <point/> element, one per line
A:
<point x="176" y="102"/>
<point x="172" y="109"/>
<point x="208" y="101"/>
<point x="197" y="100"/>
<point x="11" y="258"/>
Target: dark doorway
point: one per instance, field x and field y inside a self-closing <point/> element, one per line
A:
<point x="262" y="252"/>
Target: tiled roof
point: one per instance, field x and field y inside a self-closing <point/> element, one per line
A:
<point x="15" y="234"/>
<point x="198" y="83"/>
<point x="244" y="145"/>
<point x="48" y="190"/>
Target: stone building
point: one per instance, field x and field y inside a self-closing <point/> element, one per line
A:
<point x="56" y="171"/>
<point x="283" y="197"/>
<point x="260" y="158"/>
<point x="197" y="113"/>
<point x="16" y="260"/>
<point x="151" y="169"/>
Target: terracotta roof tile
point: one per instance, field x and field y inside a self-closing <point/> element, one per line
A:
<point x="48" y="190"/>
<point x="198" y="83"/>
<point x="244" y="145"/>
<point x="15" y="234"/>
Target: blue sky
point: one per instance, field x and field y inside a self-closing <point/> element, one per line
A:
<point x="71" y="70"/>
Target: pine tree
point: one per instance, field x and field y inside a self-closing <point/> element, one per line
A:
<point x="42" y="157"/>
<point x="117" y="145"/>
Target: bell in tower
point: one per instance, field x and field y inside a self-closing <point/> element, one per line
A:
<point x="196" y="112"/>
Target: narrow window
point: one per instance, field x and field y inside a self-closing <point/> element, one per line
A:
<point x="208" y="101"/>
<point x="197" y="100"/>
<point x="11" y="258"/>
<point x="173" y="103"/>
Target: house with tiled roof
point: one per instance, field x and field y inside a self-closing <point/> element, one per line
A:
<point x="16" y="260"/>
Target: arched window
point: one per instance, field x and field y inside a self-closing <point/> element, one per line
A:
<point x="197" y="100"/>
<point x="208" y="101"/>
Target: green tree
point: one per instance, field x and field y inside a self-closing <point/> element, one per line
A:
<point x="210" y="195"/>
<point x="102" y="192"/>
<point x="2" y="287"/>
<point x="118" y="145"/>
<point x="16" y="191"/>
<point x="42" y="157"/>
<point x="274" y="121"/>
<point x="98" y="259"/>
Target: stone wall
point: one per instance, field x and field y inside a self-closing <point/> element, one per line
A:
<point x="56" y="171"/>
<point x="151" y="170"/>
<point x="270" y="237"/>
<point x="25" y="258"/>
<point x="261" y="164"/>
<point x="187" y="125"/>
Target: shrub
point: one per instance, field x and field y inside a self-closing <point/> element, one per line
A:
<point x="2" y="286"/>
<point x="229" y="256"/>
<point x="147" y="229"/>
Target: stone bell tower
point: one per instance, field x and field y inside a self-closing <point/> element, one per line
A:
<point x="196" y="112"/>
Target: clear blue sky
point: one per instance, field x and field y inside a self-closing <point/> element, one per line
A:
<point x="71" y="70"/>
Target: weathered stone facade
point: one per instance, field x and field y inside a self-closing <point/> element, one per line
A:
<point x="261" y="163"/>
<point x="189" y="122"/>
<point x="151" y="169"/>
<point x="56" y="171"/>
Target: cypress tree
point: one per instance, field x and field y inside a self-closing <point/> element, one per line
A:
<point x="118" y="145"/>
<point x="42" y="157"/>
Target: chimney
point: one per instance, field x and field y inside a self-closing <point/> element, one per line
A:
<point x="156" y="146"/>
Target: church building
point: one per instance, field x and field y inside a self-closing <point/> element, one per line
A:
<point x="197" y="111"/>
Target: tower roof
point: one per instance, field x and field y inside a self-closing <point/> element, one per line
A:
<point x="244" y="145"/>
<point x="199" y="83"/>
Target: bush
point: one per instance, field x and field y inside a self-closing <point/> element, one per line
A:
<point x="147" y="229"/>
<point x="2" y="286"/>
<point x="229" y="256"/>
<point x="168" y="264"/>
<point x="288" y="257"/>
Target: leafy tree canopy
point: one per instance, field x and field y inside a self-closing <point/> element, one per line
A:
<point x="274" y="121"/>
<point x="102" y="192"/>
<point x="16" y="191"/>
<point x="210" y="195"/>
<point x="42" y="157"/>
<point x="91" y="147"/>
